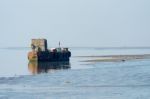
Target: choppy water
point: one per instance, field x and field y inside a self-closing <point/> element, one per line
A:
<point x="113" y="80"/>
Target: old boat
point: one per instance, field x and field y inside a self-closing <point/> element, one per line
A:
<point x="41" y="53"/>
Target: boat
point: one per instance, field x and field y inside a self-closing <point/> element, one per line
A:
<point x="41" y="53"/>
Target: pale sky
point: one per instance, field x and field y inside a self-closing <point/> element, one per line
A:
<point x="101" y="23"/>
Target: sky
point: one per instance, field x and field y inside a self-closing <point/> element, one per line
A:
<point x="84" y="23"/>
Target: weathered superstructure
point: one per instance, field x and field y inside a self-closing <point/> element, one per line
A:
<point x="40" y="52"/>
<point x="39" y="44"/>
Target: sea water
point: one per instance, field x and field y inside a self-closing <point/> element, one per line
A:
<point x="102" y="80"/>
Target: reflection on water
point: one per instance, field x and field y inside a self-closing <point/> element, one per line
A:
<point x="45" y="67"/>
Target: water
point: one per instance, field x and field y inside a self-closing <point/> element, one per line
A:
<point x="105" y="80"/>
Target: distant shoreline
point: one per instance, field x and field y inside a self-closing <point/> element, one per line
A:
<point x="114" y="58"/>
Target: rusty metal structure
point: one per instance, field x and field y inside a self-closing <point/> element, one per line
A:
<point x="40" y="52"/>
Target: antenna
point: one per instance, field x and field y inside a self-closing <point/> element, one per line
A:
<point x="59" y="44"/>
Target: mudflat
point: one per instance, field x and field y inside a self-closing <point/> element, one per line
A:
<point x="114" y="58"/>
